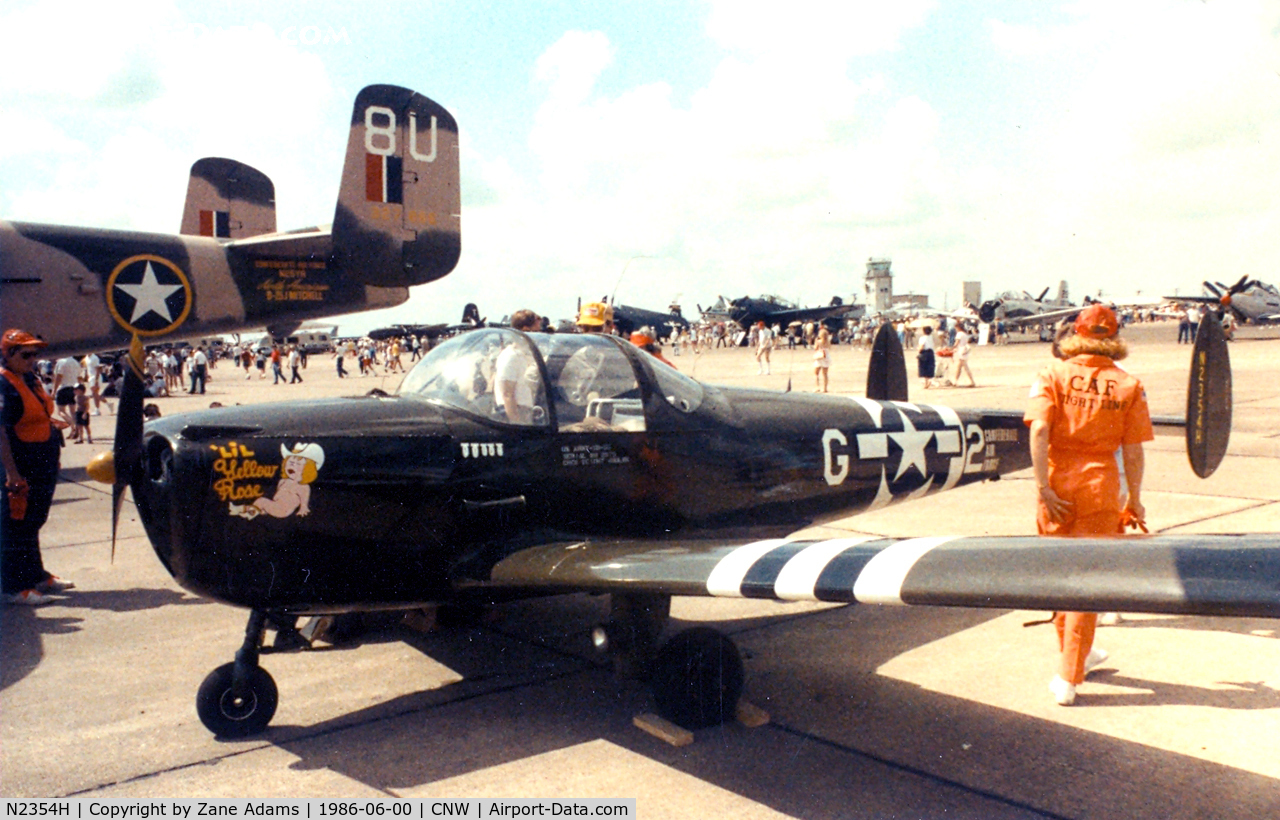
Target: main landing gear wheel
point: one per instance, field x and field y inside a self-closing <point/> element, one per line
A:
<point x="231" y="714"/>
<point x="697" y="678"/>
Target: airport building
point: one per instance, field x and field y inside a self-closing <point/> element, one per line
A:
<point x="879" y="285"/>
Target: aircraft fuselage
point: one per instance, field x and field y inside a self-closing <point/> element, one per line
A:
<point x="82" y="289"/>
<point x="410" y="498"/>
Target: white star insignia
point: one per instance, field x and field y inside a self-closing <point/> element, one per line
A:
<point x="912" y="443"/>
<point x="149" y="296"/>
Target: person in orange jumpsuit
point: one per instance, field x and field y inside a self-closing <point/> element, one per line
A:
<point x="1082" y="410"/>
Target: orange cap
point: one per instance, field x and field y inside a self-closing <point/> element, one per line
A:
<point x="640" y="339"/>
<point x="13" y="337"/>
<point x="1097" y="322"/>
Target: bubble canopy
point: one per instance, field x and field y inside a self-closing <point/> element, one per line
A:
<point x="578" y="382"/>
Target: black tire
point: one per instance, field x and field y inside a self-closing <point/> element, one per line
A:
<point x="697" y="678"/>
<point x="230" y="717"/>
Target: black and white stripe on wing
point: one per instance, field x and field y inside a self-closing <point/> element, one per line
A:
<point x="846" y="570"/>
<point x="1184" y="574"/>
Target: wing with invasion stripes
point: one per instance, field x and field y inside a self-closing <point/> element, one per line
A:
<point x="1226" y="575"/>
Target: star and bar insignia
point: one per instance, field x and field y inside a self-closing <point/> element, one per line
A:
<point x="148" y="295"/>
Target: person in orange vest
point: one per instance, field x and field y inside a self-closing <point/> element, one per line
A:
<point x="1083" y="408"/>
<point x="644" y="339"/>
<point x="30" y="446"/>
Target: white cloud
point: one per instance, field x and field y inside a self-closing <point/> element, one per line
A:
<point x="793" y="162"/>
<point x="814" y="28"/>
<point x="569" y="69"/>
<point x="75" y="51"/>
<point x="1159" y="163"/>
<point x="118" y="106"/>
<point x="767" y="172"/>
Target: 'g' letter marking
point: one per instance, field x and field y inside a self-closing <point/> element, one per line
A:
<point x="835" y="467"/>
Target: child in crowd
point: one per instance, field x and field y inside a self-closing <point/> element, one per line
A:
<point x="81" y="431"/>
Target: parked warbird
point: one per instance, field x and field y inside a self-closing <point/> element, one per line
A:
<point x="1250" y="300"/>
<point x="595" y="468"/>
<point x="614" y="473"/>
<point x="396" y="225"/>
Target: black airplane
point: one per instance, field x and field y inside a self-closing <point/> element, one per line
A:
<point x="603" y="470"/>
<point x="628" y="319"/>
<point x="599" y="469"/>
<point x="774" y="311"/>
<point x="471" y="319"/>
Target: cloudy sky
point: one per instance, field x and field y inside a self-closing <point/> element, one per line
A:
<point x="702" y="147"/>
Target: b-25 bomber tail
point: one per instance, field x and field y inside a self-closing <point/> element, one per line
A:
<point x="396" y="224"/>
<point x="228" y="200"/>
<point x="399" y="204"/>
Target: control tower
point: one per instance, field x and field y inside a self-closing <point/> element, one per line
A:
<point x="879" y="285"/>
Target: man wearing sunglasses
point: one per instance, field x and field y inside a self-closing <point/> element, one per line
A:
<point x="30" y="446"/>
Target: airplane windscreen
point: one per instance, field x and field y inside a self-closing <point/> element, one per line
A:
<point x="490" y="372"/>
<point x="680" y="391"/>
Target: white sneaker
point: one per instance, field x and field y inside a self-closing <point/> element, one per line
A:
<point x="28" y="597"/>
<point x="52" y="584"/>
<point x="1094" y="659"/>
<point x="1064" y="693"/>
<point x="1110" y="619"/>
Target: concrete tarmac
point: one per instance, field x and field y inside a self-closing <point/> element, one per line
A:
<point x="876" y="711"/>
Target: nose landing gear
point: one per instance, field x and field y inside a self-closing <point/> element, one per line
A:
<point x="696" y="677"/>
<point x="239" y="699"/>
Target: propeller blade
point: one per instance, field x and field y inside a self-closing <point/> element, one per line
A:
<point x="887" y="372"/>
<point x="127" y="451"/>
<point x="1239" y="286"/>
<point x="1210" y="287"/>
<point x="1208" y="399"/>
<point x="117" y="501"/>
<point x="1043" y="294"/>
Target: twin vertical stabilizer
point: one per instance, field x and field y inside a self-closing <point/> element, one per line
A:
<point x="399" y="207"/>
